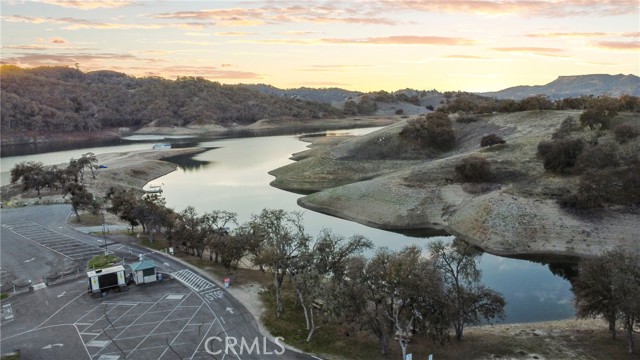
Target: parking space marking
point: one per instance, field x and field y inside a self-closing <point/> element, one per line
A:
<point x="55" y="241"/>
<point x="192" y="280"/>
<point x="137" y="329"/>
<point x="157" y="326"/>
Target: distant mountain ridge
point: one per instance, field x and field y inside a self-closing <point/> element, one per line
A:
<point x="575" y="86"/>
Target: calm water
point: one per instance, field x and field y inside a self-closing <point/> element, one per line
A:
<point x="233" y="176"/>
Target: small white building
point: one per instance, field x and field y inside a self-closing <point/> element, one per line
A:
<point x="143" y="272"/>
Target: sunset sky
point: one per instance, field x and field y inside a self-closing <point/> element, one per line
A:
<point x="366" y="45"/>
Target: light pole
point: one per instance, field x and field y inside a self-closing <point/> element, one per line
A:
<point x="104" y="235"/>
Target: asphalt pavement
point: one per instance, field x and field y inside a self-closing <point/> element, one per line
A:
<point x="187" y="316"/>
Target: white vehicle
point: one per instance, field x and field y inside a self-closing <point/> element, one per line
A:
<point x="106" y="279"/>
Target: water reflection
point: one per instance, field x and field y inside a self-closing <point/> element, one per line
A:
<point x="188" y="163"/>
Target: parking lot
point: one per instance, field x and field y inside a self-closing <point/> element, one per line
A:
<point x="53" y="240"/>
<point x="175" y="318"/>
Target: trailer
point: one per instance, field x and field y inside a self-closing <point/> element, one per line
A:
<point x="103" y="280"/>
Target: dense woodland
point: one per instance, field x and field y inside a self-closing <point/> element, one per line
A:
<point x="66" y="99"/>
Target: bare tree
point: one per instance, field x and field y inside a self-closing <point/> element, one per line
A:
<point x="283" y="239"/>
<point x="470" y="300"/>
<point x="609" y="285"/>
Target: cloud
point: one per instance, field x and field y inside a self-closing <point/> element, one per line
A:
<point x="235" y="33"/>
<point x="568" y="35"/>
<point x="70" y="23"/>
<point x="88" y="4"/>
<point x="386" y="40"/>
<point x="404" y="40"/>
<point x="297" y="33"/>
<point x="582" y="35"/>
<point x="58" y="40"/>
<point x="272" y="14"/>
<point x="33" y="60"/>
<point x="619" y="45"/>
<point x="541" y="51"/>
<point x="466" y="57"/>
<point x="527" y="8"/>
<point x="208" y="72"/>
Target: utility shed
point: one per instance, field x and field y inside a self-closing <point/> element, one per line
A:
<point x="108" y="278"/>
<point x="143" y="272"/>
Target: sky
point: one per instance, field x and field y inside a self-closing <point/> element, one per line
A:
<point x="363" y="45"/>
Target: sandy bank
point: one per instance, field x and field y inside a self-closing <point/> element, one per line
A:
<point x="129" y="170"/>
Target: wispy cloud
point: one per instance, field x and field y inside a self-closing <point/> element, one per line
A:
<point x="385" y="40"/>
<point x="540" y="51"/>
<point x="619" y="45"/>
<point x="528" y="8"/>
<point x="235" y="33"/>
<point x="567" y="35"/>
<point x="209" y="72"/>
<point x="58" y="40"/>
<point x="582" y="35"/>
<point x="88" y="4"/>
<point x="70" y="23"/>
<point x="403" y="40"/>
<point x="466" y="57"/>
<point x="326" y="13"/>
<point x="32" y="59"/>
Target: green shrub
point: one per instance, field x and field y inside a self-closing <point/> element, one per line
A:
<point x="599" y="113"/>
<point x="625" y="132"/>
<point x="464" y="118"/>
<point x="490" y="140"/>
<point x="560" y="156"/>
<point x="566" y="127"/>
<point x="597" y="157"/>
<point x="473" y="169"/>
<point x="433" y="130"/>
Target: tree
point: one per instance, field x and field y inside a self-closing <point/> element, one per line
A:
<point x="283" y="239"/>
<point x="469" y="299"/>
<point x="215" y="225"/>
<point x="320" y="269"/>
<point x="234" y="247"/>
<point x="32" y="174"/>
<point x="393" y="292"/>
<point x="123" y="203"/>
<point x="609" y="285"/>
<point x="81" y="199"/>
<point x="191" y="230"/>
<point x="151" y="213"/>
<point x="88" y="160"/>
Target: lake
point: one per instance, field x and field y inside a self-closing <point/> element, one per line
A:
<point x="233" y="175"/>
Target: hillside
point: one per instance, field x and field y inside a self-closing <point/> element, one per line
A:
<point x="62" y="99"/>
<point x="384" y="181"/>
<point x="324" y="95"/>
<point x="575" y="86"/>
